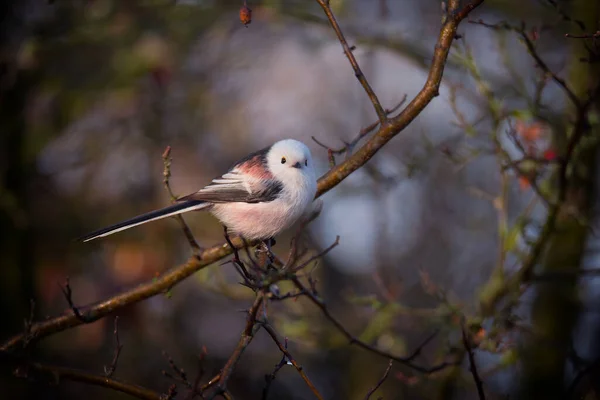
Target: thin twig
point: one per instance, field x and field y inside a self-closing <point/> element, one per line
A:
<point x="68" y="293"/>
<point x="184" y="226"/>
<point x="594" y="35"/>
<point x="109" y="371"/>
<point x="240" y="267"/>
<point x="354" y="340"/>
<point x="472" y="365"/>
<point x="291" y="359"/>
<point x="195" y="387"/>
<point x="180" y="374"/>
<point x="357" y="71"/>
<point x="271" y="377"/>
<point x="245" y="339"/>
<point x="381" y="380"/>
<point x="535" y="55"/>
<point x="348" y="148"/>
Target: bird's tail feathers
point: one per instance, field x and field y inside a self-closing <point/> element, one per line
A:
<point x="177" y="208"/>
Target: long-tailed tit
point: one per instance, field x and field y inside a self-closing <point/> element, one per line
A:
<point x="260" y="196"/>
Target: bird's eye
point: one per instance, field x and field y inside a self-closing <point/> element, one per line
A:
<point x="306" y="163"/>
<point x="283" y="160"/>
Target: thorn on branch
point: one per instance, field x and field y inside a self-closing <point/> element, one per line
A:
<point x="287" y="359"/>
<point x="109" y="371"/>
<point x="271" y="377"/>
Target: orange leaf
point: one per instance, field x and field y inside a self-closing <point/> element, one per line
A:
<point x="524" y="182"/>
<point x="245" y="15"/>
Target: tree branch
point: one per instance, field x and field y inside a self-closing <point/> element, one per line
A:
<point x="380" y="382"/>
<point x="245" y="339"/>
<point x="291" y="359"/>
<point x="472" y="365"/>
<point x="99" y="310"/>
<point x="54" y="375"/>
<point x="381" y="114"/>
<point x="354" y="340"/>
<point x="395" y="125"/>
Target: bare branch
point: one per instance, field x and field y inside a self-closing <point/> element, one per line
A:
<point x="354" y="340"/>
<point x="380" y="382"/>
<point x="245" y="339"/>
<point x="594" y="35"/>
<point x="395" y="125"/>
<point x="55" y="375"/>
<point x="186" y="229"/>
<point x="68" y="293"/>
<point x="472" y="365"/>
<point x="535" y="55"/>
<point x="291" y="359"/>
<point x="357" y="71"/>
<point x="109" y="371"/>
<point x="349" y="147"/>
<point x="99" y="310"/>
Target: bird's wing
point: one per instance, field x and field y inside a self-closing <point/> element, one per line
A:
<point x="238" y="186"/>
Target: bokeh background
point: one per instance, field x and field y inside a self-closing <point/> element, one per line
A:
<point x="92" y="92"/>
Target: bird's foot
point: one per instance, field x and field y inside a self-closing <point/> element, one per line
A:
<point x="265" y="248"/>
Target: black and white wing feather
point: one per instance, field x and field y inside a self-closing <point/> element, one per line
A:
<point x="236" y="186"/>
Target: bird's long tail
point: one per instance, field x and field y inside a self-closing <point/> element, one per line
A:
<point x="177" y="208"/>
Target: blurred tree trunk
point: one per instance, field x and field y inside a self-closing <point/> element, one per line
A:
<point x="16" y="245"/>
<point x="556" y="306"/>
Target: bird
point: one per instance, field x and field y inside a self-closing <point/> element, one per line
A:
<point x="260" y="196"/>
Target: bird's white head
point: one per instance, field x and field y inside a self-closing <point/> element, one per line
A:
<point x="290" y="162"/>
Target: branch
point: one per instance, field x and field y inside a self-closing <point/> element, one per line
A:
<point x="594" y="35"/>
<point x="472" y="365"/>
<point x="291" y="359"/>
<point x="109" y="371"/>
<point x="395" y="125"/>
<point x="53" y="374"/>
<point x="186" y="229"/>
<point x="99" y="310"/>
<point x="245" y="339"/>
<point x="354" y="340"/>
<point x="534" y="54"/>
<point x="68" y="293"/>
<point x="383" y="378"/>
<point x="349" y="147"/>
<point x="381" y="114"/>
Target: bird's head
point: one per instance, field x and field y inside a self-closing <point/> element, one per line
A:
<point x="290" y="160"/>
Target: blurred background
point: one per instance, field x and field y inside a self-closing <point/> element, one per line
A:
<point x="92" y="92"/>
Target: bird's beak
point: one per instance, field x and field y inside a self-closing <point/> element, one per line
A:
<point x="297" y="165"/>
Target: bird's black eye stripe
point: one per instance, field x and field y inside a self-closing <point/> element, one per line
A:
<point x="283" y="160"/>
<point x="306" y="163"/>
